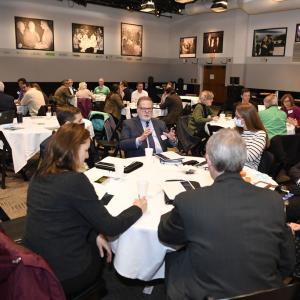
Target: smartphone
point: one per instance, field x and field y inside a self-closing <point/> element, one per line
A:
<point x="102" y="179"/>
<point x="191" y="162"/>
<point x="201" y="164"/>
<point x="187" y="185"/>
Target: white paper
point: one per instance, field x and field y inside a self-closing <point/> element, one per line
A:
<point x="173" y="188"/>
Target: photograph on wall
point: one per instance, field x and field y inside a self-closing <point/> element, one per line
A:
<point x="269" y="42"/>
<point x="131" y="39"/>
<point x="297" y="35"/>
<point x="87" y="38"/>
<point x="34" y="34"/>
<point x="213" y="42"/>
<point x="188" y="47"/>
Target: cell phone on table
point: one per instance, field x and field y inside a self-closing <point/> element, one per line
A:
<point x="190" y="162"/>
<point x="102" y="179"/>
<point x="187" y="185"/>
<point x="201" y="164"/>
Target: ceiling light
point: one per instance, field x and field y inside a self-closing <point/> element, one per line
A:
<point x="148" y="6"/>
<point x="184" y="1"/>
<point x="219" y="6"/>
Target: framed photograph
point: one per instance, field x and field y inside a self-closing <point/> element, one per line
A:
<point x="269" y="42"/>
<point x="131" y="39"/>
<point x="213" y="42"/>
<point x="87" y="38"/>
<point x="297" y="35"/>
<point x="34" y="34"/>
<point x="188" y="47"/>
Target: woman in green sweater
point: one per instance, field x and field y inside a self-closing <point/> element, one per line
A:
<point x="201" y="114"/>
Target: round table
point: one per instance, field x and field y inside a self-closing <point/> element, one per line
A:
<point x="138" y="252"/>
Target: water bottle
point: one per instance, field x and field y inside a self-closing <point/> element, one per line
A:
<point x="48" y="113"/>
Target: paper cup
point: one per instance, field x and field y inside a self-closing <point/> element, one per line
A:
<point x="142" y="187"/>
<point x="148" y="153"/>
<point x="119" y="170"/>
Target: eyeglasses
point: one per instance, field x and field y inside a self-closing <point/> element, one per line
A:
<point x="145" y="109"/>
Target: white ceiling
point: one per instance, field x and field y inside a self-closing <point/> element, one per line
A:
<point x="251" y="7"/>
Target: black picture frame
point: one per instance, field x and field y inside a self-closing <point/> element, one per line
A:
<point x="213" y="42"/>
<point x="34" y="34"/>
<point x="269" y="42"/>
<point x="131" y="39"/>
<point x="297" y="34"/>
<point x="188" y="47"/>
<point x="87" y="38"/>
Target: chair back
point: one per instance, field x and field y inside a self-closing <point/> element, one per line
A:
<point x="289" y="292"/>
<point x="5" y="152"/>
<point x="98" y="119"/>
<point x="213" y="128"/>
<point x="286" y="149"/>
<point x="133" y="112"/>
<point x="21" y="269"/>
<point x="85" y="106"/>
<point x="187" y="110"/>
<point x="186" y="141"/>
<point x="266" y="162"/>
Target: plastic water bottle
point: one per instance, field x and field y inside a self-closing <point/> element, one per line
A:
<point x="48" y="113"/>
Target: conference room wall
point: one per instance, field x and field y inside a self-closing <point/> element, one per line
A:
<point x="155" y="30"/>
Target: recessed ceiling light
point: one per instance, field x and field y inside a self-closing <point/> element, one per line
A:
<point x="219" y="6"/>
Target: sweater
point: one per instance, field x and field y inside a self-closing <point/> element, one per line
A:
<point x="64" y="218"/>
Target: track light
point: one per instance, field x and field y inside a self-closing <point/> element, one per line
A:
<point x="148" y="6"/>
<point x="219" y="6"/>
<point x="184" y="1"/>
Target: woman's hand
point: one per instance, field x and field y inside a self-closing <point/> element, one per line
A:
<point x="294" y="227"/>
<point x="103" y="245"/>
<point x="141" y="203"/>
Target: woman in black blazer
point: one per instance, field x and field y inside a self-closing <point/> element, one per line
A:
<point x="66" y="221"/>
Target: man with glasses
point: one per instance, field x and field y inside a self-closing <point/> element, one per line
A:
<point x="145" y="132"/>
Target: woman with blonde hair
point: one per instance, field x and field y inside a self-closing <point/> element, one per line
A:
<point x="84" y="99"/>
<point x="66" y="222"/>
<point x="201" y="114"/>
<point x="252" y="131"/>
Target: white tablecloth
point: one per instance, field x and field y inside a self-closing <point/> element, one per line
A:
<point x="25" y="140"/>
<point x="157" y="112"/>
<point x="138" y="252"/>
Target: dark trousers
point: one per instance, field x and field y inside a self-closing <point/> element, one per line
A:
<point x="74" y="286"/>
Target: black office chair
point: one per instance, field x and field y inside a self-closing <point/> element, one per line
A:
<point x="212" y="129"/>
<point x="186" y="141"/>
<point x="5" y="154"/>
<point x="266" y="162"/>
<point x="289" y="292"/>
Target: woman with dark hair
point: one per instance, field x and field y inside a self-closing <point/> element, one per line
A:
<point x="252" y="131"/>
<point x="65" y="219"/>
<point x="292" y="111"/>
<point x="114" y="104"/>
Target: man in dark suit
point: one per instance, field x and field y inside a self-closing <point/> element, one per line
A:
<point x="70" y="114"/>
<point x="144" y="131"/>
<point x="6" y="101"/>
<point x="174" y="105"/>
<point x="125" y="91"/>
<point x="233" y="234"/>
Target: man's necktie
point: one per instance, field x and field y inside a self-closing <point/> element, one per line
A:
<point x="150" y="139"/>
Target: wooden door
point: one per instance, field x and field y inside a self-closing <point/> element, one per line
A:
<point x="214" y="80"/>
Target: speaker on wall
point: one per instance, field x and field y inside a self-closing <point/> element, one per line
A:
<point x="234" y="80"/>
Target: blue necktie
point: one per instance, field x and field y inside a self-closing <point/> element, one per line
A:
<point x="150" y="139"/>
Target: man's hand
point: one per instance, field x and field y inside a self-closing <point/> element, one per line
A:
<point x="145" y="134"/>
<point x="103" y="245"/>
<point x="170" y="135"/>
